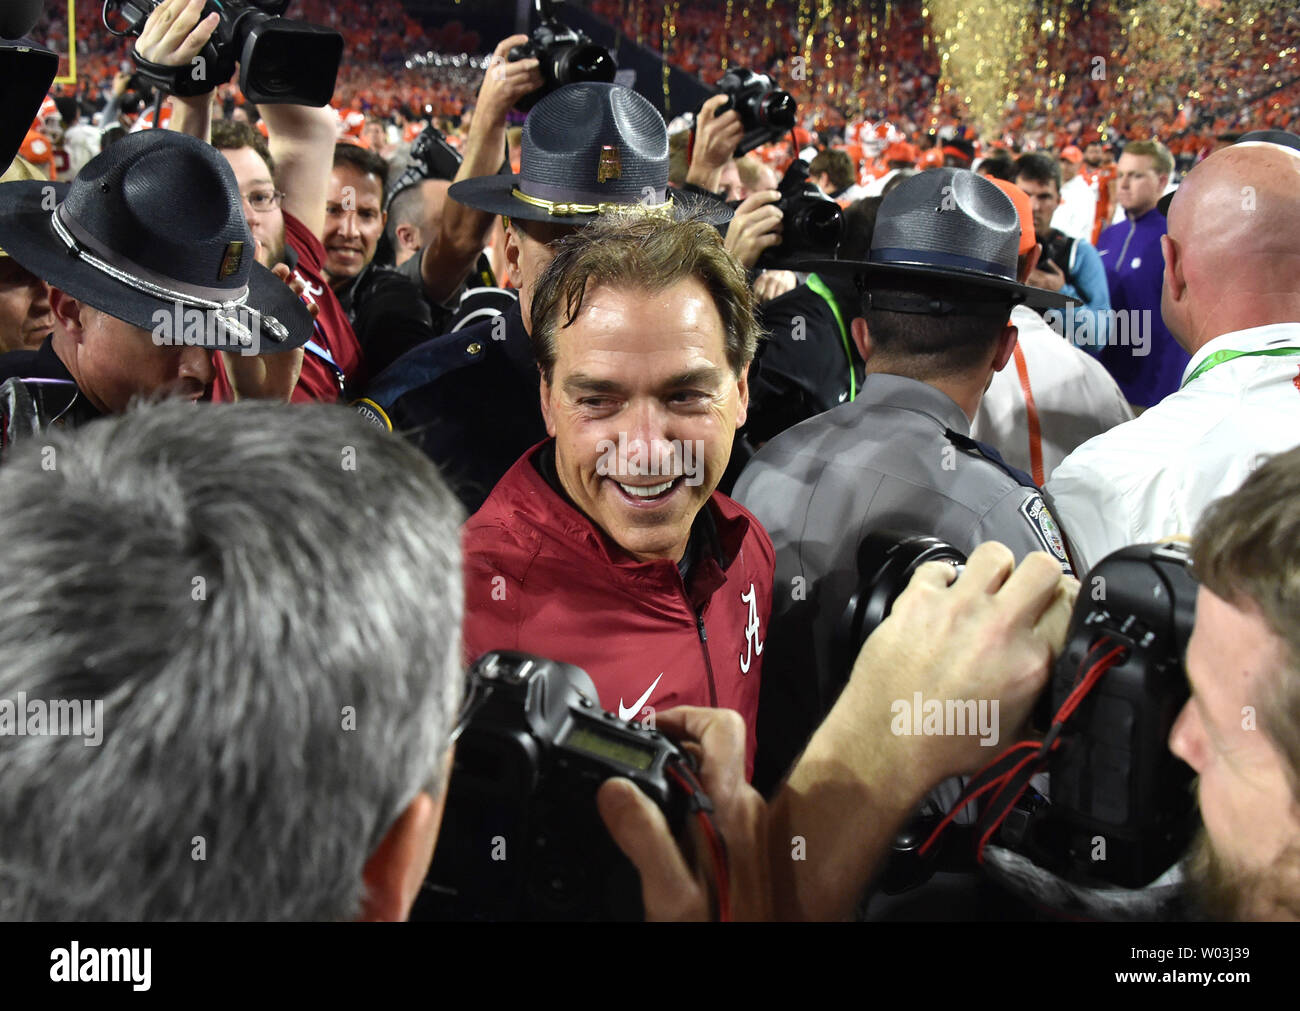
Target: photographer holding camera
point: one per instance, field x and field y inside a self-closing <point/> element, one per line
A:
<point x="755" y="228"/>
<point x="443" y="263"/>
<point x="1239" y="731"/>
<point x="283" y="181"/>
<point x="1068" y="265"/>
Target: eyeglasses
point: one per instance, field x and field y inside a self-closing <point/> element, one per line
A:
<point x="264" y="200"/>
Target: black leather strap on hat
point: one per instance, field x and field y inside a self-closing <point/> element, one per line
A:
<point x="932" y="305"/>
<point x="937" y="258"/>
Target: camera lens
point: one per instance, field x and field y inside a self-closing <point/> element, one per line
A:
<point x="821" y="223"/>
<point x="273" y="72"/>
<point x="287" y="61"/>
<point x="776" y="109"/>
<point x="886" y="561"/>
<point x="584" y="63"/>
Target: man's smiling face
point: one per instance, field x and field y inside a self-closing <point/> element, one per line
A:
<point x="354" y="221"/>
<point x="644" y="405"/>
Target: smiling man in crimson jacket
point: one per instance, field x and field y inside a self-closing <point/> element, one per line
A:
<point x="607" y="546"/>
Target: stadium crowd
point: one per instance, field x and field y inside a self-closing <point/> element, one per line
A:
<point x="599" y="388"/>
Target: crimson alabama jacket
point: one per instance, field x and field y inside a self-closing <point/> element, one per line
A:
<point x="543" y="578"/>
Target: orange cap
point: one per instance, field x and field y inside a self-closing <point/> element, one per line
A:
<point x="1072" y="153"/>
<point x="1025" y="212"/>
<point x="36" y="148"/>
<point x="901" y="150"/>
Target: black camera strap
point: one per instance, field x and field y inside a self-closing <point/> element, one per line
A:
<point x="180" y="80"/>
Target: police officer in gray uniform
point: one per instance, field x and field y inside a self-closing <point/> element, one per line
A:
<point x="938" y="285"/>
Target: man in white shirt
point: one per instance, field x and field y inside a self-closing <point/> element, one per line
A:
<point x="1052" y="397"/>
<point x="1078" y="207"/>
<point x="1049" y="400"/>
<point x="1230" y="299"/>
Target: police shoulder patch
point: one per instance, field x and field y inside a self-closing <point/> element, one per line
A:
<point x="1043" y="523"/>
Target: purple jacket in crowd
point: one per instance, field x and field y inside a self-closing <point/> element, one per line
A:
<point x="1130" y="252"/>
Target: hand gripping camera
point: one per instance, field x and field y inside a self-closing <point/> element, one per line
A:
<point x="280" y="61"/>
<point x="1120" y="809"/>
<point x="766" y="112"/>
<point x="811" y="222"/>
<point x="564" y="55"/>
<point x="521" y="838"/>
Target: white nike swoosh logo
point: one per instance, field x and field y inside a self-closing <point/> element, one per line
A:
<point x="630" y="711"/>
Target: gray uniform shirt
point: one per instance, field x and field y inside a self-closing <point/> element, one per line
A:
<point x="880" y="462"/>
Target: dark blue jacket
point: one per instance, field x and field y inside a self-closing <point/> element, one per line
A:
<point x="469" y="399"/>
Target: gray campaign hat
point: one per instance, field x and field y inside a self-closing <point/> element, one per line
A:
<point x="950" y="225"/>
<point x="154" y="224"/>
<point x="588" y="149"/>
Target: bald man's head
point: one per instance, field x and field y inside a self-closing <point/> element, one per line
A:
<point x="1232" y="252"/>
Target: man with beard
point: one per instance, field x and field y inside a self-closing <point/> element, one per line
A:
<point x="1099" y="173"/>
<point x="1240" y="730"/>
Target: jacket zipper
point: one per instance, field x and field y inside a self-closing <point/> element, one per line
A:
<point x="708" y="664"/>
<point x="1123" y="251"/>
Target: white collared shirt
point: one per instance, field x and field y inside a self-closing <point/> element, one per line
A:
<point x="1075" y="399"/>
<point x="1152" y="478"/>
<point x="1077" y="210"/>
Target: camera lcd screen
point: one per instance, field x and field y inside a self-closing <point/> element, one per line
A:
<point x="591" y="742"/>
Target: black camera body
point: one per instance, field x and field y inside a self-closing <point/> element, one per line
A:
<point x="564" y="55"/>
<point x="280" y="61"/>
<point x="1057" y="247"/>
<point x="1121" y="808"/>
<point x="521" y="838"/>
<point x="811" y="222"/>
<point x="1117" y="791"/>
<point x="766" y="112"/>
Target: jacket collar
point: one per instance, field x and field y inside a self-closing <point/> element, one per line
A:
<point x="1255" y="338"/>
<point x="49" y="363"/>
<point x="880" y="389"/>
<point x="1147" y="219"/>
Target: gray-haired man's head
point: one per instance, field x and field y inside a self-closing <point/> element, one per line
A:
<point x="263" y="603"/>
